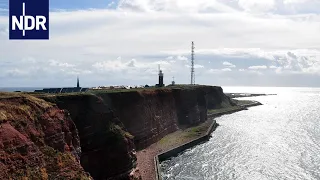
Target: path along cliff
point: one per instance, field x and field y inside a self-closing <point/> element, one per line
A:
<point x="110" y="126"/>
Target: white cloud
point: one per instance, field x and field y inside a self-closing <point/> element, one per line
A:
<point x="119" y="65"/>
<point x="182" y="58"/>
<point x="196" y="66"/>
<point x="251" y="71"/>
<point x="282" y="35"/>
<point x="257" y="6"/>
<point x="214" y="71"/>
<point x="228" y="64"/>
<point x="111" y="3"/>
<point x="175" y="6"/>
<point x="299" y="2"/>
<point x="58" y="64"/>
<point x="169" y="58"/>
<point x="15" y="72"/>
<point x="294" y="1"/>
<point x="216" y="6"/>
<point x="255" y="72"/>
<point x="258" y="67"/>
<point x="226" y="69"/>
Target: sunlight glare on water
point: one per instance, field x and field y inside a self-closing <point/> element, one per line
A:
<point x="278" y="140"/>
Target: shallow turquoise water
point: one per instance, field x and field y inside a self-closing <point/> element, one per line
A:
<point x="278" y="140"/>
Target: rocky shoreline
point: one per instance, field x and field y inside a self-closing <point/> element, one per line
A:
<point x="239" y="95"/>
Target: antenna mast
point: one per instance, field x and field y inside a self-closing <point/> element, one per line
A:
<point x="193" y="78"/>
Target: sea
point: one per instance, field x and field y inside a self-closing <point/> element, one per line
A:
<point x="278" y="140"/>
<point x="22" y="89"/>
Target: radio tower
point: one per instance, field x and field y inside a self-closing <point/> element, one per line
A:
<point x="193" y="78"/>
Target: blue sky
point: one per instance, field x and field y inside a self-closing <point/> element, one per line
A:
<point x="238" y="42"/>
<point x="73" y="4"/>
<point x="82" y="4"/>
<point x="70" y="5"/>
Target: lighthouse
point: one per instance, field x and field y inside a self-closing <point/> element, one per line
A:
<point x="78" y="83"/>
<point x="160" y="78"/>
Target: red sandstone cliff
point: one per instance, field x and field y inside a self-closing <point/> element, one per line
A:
<point x="108" y="150"/>
<point x="140" y="117"/>
<point x="37" y="140"/>
<point x="148" y="115"/>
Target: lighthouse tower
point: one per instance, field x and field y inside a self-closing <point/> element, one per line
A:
<point x="78" y="83"/>
<point x="160" y="78"/>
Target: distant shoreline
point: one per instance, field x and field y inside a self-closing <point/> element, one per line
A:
<point x="238" y="95"/>
<point x="23" y="89"/>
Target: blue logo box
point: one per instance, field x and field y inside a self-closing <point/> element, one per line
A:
<point x="28" y="19"/>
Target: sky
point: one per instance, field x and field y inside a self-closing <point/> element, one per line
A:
<point x="105" y="42"/>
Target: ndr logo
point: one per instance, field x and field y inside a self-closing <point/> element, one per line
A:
<point x="29" y="19"/>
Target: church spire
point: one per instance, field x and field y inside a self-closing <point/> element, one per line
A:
<point x="78" y="84"/>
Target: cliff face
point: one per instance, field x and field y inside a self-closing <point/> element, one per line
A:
<point x="151" y="114"/>
<point x="107" y="148"/>
<point x="110" y="126"/>
<point x="148" y="115"/>
<point x="191" y="106"/>
<point x="113" y="125"/>
<point x="215" y="98"/>
<point x="37" y="140"/>
<point x="193" y="103"/>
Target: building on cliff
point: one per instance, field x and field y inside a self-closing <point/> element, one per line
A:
<point x="173" y="82"/>
<point x="78" y="84"/>
<point x="160" y="84"/>
<point x="64" y="89"/>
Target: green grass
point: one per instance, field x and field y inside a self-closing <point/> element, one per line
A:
<point x="244" y="102"/>
<point x="232" y="108"/>
<point x="223" y="110"/>
<point x="151" y="88"/>
<point x="139" y="89"/>
<point x="164" y="140"/>
<point x="196" y="131"/>
<point x="98" y="91"/>
<point x="185" y="135"/>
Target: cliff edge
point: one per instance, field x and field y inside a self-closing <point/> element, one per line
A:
<point x="65" y="135"/>
<point x="112" y="125"/>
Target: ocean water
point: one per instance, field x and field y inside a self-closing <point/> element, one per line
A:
<point x="278" y="140"/>
<point x="24" y="89"/>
